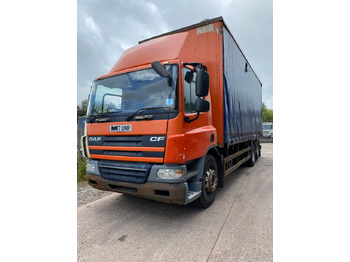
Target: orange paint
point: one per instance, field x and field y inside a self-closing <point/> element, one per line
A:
<point x="161" y="49"/>
<point x="175" y="149"/>
<point x="156" y="127"/>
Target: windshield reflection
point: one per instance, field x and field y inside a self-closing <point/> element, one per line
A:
<point x="129" y="92"/>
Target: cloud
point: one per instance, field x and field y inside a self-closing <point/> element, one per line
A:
<point x="107" y="28"/>
<point x="95" y="30"/>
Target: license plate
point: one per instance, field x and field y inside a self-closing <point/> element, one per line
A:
<point x="121" y="128"/>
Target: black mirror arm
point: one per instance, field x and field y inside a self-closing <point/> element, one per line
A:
<point x="197" y="66"/>
<point x="188" y="120"/>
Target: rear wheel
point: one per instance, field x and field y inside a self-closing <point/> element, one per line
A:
<point x="257" y="150"/>
<point x="209" y="182"/>
<point x="252" y="159"/>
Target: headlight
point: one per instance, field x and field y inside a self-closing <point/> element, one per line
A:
<point x="169" y="173"/>
<point x="90" y="167"/>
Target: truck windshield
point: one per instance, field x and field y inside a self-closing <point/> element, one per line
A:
<point x="129" y="92"/>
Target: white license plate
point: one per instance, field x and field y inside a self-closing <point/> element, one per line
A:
<point x="120" y="128"/>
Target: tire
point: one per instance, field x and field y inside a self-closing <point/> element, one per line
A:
<point x="252" y="159"/>
<point x="209" y="182"/>
<point x="257" y="153"/>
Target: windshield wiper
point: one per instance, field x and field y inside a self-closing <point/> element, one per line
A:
<point x="146" y="108"/>
<point x="102" y="114"/>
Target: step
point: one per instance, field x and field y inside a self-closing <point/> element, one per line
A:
<point x="193" y="194"/>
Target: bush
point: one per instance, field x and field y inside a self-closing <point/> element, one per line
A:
<point x="81" y="173"/>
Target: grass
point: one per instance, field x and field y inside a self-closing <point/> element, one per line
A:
<point x="81" y="171"/>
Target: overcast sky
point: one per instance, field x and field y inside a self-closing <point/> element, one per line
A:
<point x="108" y="27"/>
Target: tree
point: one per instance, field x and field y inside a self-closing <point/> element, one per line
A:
<point x="81" y="110"/>
<point x="267" y="114"/>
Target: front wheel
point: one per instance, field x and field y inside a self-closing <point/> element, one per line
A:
<point x="209" y="182"/>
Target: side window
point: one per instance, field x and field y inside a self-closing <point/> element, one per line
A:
<point x="189" y="90"/>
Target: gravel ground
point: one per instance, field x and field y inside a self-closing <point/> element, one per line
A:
<point x="87" y="194"/>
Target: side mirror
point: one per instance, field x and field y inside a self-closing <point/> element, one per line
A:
<point x="202" y="83"/>
<point x="160" y="69"/>
<point x="202" y="105"/>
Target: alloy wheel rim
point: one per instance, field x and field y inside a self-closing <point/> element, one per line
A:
<point x="211" y="180"/>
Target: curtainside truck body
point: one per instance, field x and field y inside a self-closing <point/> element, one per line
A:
<point x="174" y="116"/>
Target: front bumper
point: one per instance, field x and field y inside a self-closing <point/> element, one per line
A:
<point x="177" y="191"/>
<point x="164" y="192"/>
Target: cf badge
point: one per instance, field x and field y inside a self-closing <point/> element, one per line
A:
<point x="156" y="138"/>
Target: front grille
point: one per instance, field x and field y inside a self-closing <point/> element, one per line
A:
<point x="140" y="148"/>
<point x="132" y="172"/>
<point x="122" y="141"/>
<point x="127" y="153"/>
<point x="146" y="141"/>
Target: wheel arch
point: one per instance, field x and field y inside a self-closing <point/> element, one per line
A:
<point x="199" y="164"/>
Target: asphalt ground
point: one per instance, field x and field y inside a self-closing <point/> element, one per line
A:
<point x="238" y="226"/>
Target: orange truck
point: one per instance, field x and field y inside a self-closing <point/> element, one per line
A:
<point x="174" y="116"/>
